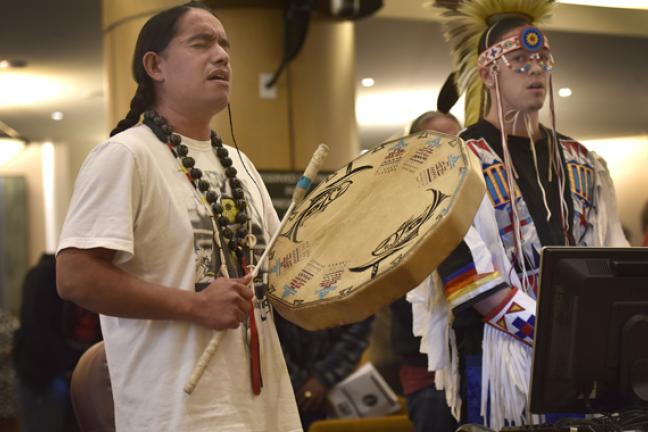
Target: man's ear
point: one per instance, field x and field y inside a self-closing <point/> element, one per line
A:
<point x="487" y="77"/>
<point x="151" y="63"/>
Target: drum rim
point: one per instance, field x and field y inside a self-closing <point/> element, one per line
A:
<point x="391" y="281"/>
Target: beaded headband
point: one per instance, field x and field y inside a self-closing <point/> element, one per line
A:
<point x="530" y="39"/>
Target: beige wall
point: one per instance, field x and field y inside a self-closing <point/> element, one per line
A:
<point x="627" y="160"/>
<point x="28" y="164"/>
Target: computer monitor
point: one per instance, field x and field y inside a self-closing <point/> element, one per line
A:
<point x="591" y="338"/>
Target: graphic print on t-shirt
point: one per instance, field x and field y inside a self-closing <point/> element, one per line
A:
<point x="207" y="260"/>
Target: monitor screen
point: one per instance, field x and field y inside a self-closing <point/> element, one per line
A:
<point x="591" y="341"/>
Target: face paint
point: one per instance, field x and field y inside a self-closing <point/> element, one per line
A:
<point x="520" y="61"/>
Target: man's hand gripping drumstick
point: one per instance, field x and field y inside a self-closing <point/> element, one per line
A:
<point x="301" y="188"/>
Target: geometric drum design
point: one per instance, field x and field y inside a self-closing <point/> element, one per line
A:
<point x="374" y="229"/>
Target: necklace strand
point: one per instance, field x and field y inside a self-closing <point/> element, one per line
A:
<point x="242" y="239"/>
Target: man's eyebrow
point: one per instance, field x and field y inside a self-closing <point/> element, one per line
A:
<point x="209" y="37"/>
<point x="203" y="36"/>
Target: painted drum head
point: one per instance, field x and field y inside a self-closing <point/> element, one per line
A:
<point x="374" y="230"/>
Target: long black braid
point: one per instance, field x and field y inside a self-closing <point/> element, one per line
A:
<point x="154" y="36"/>
<point x="143" y="99"/>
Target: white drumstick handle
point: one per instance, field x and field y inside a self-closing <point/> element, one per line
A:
<point x="201" y="365"/>
<point x="305" y="181"/>
<point x="310" y="174"/>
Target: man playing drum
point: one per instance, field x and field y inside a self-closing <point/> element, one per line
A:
<point x="562" y="195"/>
<point x="162" y="226"/>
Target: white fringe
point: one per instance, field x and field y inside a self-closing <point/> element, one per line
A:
<point x="448" y="379"/>
<point x="506" y="372"/>
<point x="432" y="321"/>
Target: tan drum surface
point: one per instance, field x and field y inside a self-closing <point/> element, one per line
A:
<point x="374" y="229"/>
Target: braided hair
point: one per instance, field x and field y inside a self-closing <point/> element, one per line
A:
<point x="155" y="36"/>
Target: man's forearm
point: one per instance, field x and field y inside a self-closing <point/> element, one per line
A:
<point x="89" y="279"/>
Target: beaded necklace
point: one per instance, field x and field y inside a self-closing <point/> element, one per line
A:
<point x="236" y="242"/>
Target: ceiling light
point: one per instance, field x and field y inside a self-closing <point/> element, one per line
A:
<point x="6" y="64"/>
<point x="625" y="156"/>
<point x="398" y="108"/>
<point x="9" y="148"/>
<point x="367" y="82"/>
<point x="623" y="4"/>
<point x="564" y="92"/>
<point x="27" y="89"/>
<point x="57" y="116"/>
<point x="11" y="143"/>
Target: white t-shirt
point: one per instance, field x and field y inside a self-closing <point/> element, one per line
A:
<point x="131" y="197"/>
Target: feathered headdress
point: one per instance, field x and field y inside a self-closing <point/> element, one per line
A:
<point x="465" y="21"/>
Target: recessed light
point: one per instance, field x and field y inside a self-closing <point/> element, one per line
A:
<point x="367" y="82"/>
<point x="564" y="92"/>
<point x="29" y="89"/>
<point x="57" y="116"/>
<point x="6" y="64"/>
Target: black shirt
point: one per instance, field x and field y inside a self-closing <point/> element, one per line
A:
<point x="549" y="232"/>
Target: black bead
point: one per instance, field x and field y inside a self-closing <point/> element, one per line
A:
<point x="195" y="173"/>
<point x="217" y="208"/>
<point x="241" y="204"/>
<point x="222" y="152"/>
<point x="223" y="221"/>
<point x="188" y="162"/>
<point x="203" y="185"/>
<point x="241" y="232"/>
<point x="235" y="183"/>
<point x="241" y="218"/>
<point x="167" y="129"/>
<point x="226" y="162"/>
<point x="211" y="196"/>
<point x="232" y="245"/>
<point x="216" y="141"/>
<point x="230" y="172"/>
<point x="149" y="114"/>
<point x="239" y="252"/>
<point x="182" y="150"/>
<point x="158" y="120"/>
<point x="175" y="139"/>
<point x="238" y="193"/>
<point x="227" y="233"/>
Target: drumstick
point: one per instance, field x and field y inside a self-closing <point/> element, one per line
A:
<point x="298" y="195"/>
<point x="301" y="188"/>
